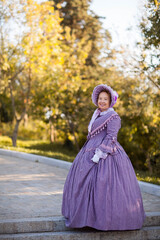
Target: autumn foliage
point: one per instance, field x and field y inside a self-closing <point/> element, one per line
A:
<point x="52" y="55"/>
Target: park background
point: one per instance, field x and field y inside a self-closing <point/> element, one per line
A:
<point x="52" y="55"/>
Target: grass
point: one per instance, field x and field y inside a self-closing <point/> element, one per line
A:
<point x="39" y="147"/>
<point x="59" y="151"/>
<point x="147" y="177"/>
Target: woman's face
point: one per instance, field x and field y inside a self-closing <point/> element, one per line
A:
<point x="103" y="101"/>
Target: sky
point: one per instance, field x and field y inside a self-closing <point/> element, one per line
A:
<point x="119" y="16"/>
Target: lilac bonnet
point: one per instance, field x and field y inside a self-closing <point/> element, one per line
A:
<point x="100" y="88"/>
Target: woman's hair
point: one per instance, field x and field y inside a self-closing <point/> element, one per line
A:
<point x="108" y="92"/>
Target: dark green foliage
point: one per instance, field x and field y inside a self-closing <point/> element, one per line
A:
<point x="68" y="144"/>
<point x="150" y="64"/>
<point x="86" y="25"/>
<point x="140" y="132"/>
<point x="151" y="26"/>
<point x="6" y="114"/>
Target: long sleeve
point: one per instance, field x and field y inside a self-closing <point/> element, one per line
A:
<point x="108" y="144"/>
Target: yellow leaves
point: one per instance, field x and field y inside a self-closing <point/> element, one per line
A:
<point x="5" y="66"/>
<point x="64" y="87"/>
<point x="144" y="54"/>
<point x="68" y="36"/>
<point x="73" y="101"/>
<point x="4" y="62"/>
<point x="145" y="65"/>
<point x="157" y="4"/>
<point x="42" y="18"/>
<point x="42" y="42"/>
<point x="58" y="6"/>
<point x="3" y="85"/>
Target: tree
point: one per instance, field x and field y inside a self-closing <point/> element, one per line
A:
<point x="25" y="65"/>
<point x="139" y="94"/>
<point x="63" y="95"/>
<point x="10" y="66"/>
<point x="85" y="24"/>
<point x="84" y="64"/>
<point x="150" y="28"/>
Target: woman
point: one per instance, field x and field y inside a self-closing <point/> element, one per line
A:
<point x="101" y="190"/>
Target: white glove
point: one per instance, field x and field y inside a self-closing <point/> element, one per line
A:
<point x="95" y="158"/>
<point x="98" y="154"/>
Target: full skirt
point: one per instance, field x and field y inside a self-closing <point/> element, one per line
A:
<point x="104" y="196"/>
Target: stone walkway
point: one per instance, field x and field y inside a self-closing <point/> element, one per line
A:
<point x="32" y="189"/>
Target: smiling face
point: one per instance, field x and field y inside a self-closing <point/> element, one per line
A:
<point x="103" y="101"/>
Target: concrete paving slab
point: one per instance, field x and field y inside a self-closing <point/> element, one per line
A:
<point x="36" y="158"/>
<point x="29" y="189"/>
<point x="145" y="187"/>
<point x="34" y="189"/>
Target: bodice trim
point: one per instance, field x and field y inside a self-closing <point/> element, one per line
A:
<point x="103" y="125"/>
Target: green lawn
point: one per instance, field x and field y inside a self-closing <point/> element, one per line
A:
<point x="39" y="147"/>
<point x="147" y="177"/>
<point x="58" y="151"/>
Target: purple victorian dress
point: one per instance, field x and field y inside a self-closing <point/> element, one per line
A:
<point x="103" y="195"/>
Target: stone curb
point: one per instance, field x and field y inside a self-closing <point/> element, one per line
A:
<point x="147" y="233"/>
<point x="145" y="187"/>
<point x="55" y="224"/>
<point x="37" y="158"/>
<point x="150" y="188"/>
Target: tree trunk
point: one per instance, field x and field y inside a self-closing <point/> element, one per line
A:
<point x="76" y="142"/>
<point x="52" y="135"/>
<point x="149" y="164"/>
<point x="71" y="125"/>
<point x="15" y="133"/>
<point x="25" y="121"/>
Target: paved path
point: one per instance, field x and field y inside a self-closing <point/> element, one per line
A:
<point x="31" y="189"/>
